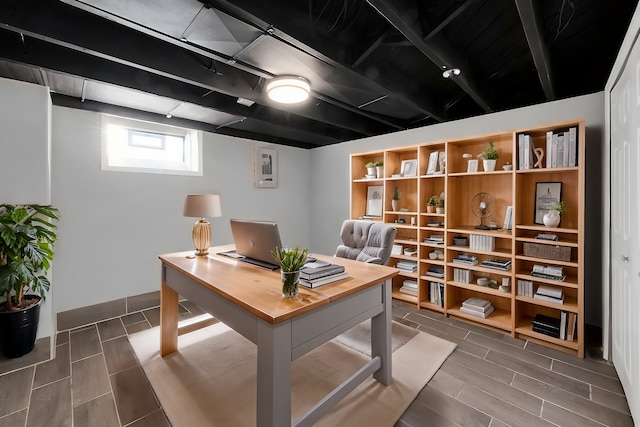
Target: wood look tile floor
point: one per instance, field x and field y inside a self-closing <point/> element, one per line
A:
<point x="491" y="379"/>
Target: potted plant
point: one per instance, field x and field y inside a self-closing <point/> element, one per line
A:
<point x="553" y="215"/>
<point x="395" y="199"/>
<point x="26" y="240"/>
<point x="371" y="169"/>
<point x="290" y="262"/>
<point x="489" y="157"/>
<point x="432" y="203"/>
<point x="440" y="206"/>
<point x="379" y="169"/>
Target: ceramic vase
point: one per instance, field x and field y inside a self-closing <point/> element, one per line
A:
<point x="551" y="219"/>
<point x="489" y="165"/>
<point x="395" y="205"/>
<point x="379" y="171"/>
<point x="290" y="283"/>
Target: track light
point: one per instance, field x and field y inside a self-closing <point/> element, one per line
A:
<point x="451" y="72"/>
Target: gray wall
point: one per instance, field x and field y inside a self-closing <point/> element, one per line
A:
<point x="114" y="225"/>
<point x="330" y="184"/>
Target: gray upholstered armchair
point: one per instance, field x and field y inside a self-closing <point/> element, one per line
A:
<point x="366" y="241"/>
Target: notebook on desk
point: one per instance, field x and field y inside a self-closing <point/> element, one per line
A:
<point x="254" y="241"/>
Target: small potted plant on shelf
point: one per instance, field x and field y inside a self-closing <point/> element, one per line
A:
<point x="440" y="206"/>
<point x="371" y="169"/>
<point x="290" y="262"/>
<point x="26" y="240"/>
<point x="489" y="157"/>
<point x="379" y="169"/>
<point x="553" y="215"/>
<point x="432" y="203"/>
<point x="395" y="199"/>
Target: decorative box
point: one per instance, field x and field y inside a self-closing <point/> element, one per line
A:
<point x="537" y="250"/>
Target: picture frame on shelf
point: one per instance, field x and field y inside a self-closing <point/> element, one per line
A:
<point x="433" y="163"/>
<point x="547" y="193"/>
<point x="410" y="167"/>
<point x="374" y="201"/>
<point x="266" y="167"/>
<point x="472" y="166"/>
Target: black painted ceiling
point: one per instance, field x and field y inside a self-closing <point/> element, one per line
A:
<point x="375" y="66"/>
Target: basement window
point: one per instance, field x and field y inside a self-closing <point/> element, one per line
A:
<point x="130" y="145"/>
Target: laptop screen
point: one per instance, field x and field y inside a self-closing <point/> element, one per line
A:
<point x="254" y="241"/>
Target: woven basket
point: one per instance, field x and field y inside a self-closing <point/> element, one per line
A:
<point x="558" y="253"/>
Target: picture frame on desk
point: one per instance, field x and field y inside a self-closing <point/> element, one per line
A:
<point x="547" y="193"/>
<point x="410" y="167"/>
<point x="266" y="168"/>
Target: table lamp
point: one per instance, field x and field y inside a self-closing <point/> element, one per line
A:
<point x="202" y="206"/>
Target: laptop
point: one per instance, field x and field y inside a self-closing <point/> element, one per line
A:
<point x="254" y="241"/>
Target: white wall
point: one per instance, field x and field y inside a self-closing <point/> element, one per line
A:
<point x="331" y="177"/>
<point x="114" y="225"/>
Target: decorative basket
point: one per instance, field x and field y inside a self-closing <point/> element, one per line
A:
<point x="558" y="253"/>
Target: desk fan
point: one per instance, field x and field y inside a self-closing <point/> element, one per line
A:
<point x="483" y="205"/>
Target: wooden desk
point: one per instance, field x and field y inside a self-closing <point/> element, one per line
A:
<point x="249" y="300"/>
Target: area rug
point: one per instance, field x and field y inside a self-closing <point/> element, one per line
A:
<point x="211" y="379"/>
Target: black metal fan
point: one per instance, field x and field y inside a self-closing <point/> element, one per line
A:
<point x="483" y="205"/>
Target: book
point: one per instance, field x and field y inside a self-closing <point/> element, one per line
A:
<point x="408" y="291"/>
<point x="550" y="332"/>
<point x="475" y="302"/>
<point x="477" y="313"/>
<point x="549" y="291"/>
<point x="547" y="322"/>
<point x="314" y="283"/>
<point x="563" y="325"/>
<point x="571" y="326"/>
<point x="314" y="270"/>
<point x="548" y="298"/>
<point x="573" y="146"/>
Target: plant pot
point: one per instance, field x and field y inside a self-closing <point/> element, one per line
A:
<point x="489" y="165"/>
<point x="18" y="330"/>
<point x="290" y="280"/>
<point x="440" y="210"/>
<point x="551" y="219"/>
<point x="371" y="172"/>
<point x="379" y="171"/>
<point x="395" y="205"/>
<point x="431" y="209"/>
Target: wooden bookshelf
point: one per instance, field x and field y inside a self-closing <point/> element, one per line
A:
<point x="517" y="188"/>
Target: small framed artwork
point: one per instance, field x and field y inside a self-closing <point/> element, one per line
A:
<point x="410" y="167"/>
<point x="547" y="193"/>
<point x="266" y="168"/>
<point x="472" y="166"/>
<point x="374" y="200"/>
<point x="433" y="163"/>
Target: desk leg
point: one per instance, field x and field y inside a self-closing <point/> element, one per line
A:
<point x="274" y="375"/>
<point x="168" y="320"/>
<point x="381" y="336"/>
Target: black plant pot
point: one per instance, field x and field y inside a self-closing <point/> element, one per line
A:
<point x="18" y="330"/>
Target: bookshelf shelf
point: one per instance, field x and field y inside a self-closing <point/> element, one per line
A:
<point x="442" y="171"/>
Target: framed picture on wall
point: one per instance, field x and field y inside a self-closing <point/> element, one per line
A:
<point x="266" y="167"/>
<point x="547" y="193"/>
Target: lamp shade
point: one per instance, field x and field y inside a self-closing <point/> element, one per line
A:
<point x="202" y="206"/>
<point x="288" y="89"/>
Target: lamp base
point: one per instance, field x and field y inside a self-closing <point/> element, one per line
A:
<point x="201" y="237"/>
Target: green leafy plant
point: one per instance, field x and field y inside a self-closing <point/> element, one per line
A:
<point x="26" y="240"/>
<point x="489" y="153"/>
<point x="396" y="194"/>
<point x="433" y="201"/>
<point x="290" y="259"/>
<point x="559" y="207"/>
<point x="370" y="165"/>
<point x="379" y="164"/>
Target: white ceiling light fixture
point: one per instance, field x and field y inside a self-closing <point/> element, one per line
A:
<point x="288" y="89"/>
<point x="451" y="72"/>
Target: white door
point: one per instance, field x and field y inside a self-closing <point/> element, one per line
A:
<point x="625" y="229"/>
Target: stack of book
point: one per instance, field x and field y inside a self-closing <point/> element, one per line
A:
<point x="498" y="264"/>
<point x="465" y="259"/>
<point x="563" y="328"/>
<point x="462" y="275"/>
<point x="562" y="148"/>
<point x="549" y="293"/>
<point x="477" y="307"/>
<point x="478" y="242"/>
<point x="435" y="271"/>
<point x="548" y="272"/>
<point x="435" y="238"/>
<point x="525" y="288"/>
<point x="410" y="266"/>
<point x="436" y="293"/>
<point x="409" y="287"/>
<point x="318" y="273"/>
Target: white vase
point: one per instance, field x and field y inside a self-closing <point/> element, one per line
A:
<point x="371" y="172"/>
<point x="551" y="219"/>
<point x="379" y="171"/>
<point x="489" y="165"/>
<point x="395" y="205"/>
